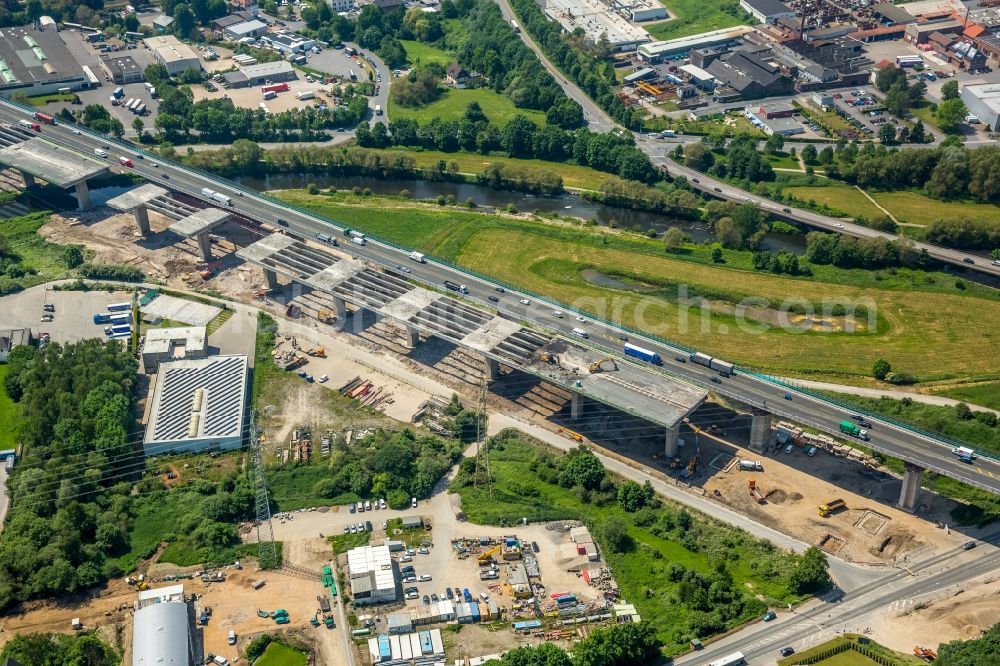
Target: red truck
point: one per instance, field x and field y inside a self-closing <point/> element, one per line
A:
<point x="44" y="118"/>
<point x="277" y="87"/>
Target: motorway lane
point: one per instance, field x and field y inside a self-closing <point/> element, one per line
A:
<point x="806" y="625"/>
<point x="888" y="439"/>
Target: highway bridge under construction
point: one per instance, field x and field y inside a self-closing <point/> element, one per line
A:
<point x="519" y="331"/>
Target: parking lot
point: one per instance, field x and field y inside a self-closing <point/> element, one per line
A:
<point x="72" y="320"/>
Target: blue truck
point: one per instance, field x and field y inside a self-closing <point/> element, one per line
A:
<point x="642" y="354"/>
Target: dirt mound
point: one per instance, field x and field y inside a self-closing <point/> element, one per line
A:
<point x="776" y="496"/>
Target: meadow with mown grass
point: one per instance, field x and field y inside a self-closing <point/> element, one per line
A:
<point x="916" y="311"/>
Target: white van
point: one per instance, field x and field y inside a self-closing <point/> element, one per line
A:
<point x="220" y="661"/>
<point x="580" y="333"/>
<point x="100" y="152"/>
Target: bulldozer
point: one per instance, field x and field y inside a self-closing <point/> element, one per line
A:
<point x="317" y="351"/>
<point x="597" y="366"/>
<point x="549" y="358"/>
<point x="326" y="316"/>
<point x="755" y="492"/>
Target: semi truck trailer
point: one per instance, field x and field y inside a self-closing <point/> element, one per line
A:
<point x="853" y="430"/>
<point x="642" y="354"/>
<point x="460" y="288"/>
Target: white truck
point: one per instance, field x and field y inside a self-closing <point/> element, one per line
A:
<point x="216" y="196"/>
<point x="306" y="94"/>
<point x="378" y="109"/>
<point x="418" y="257"/>
<point x="751" y="466"/>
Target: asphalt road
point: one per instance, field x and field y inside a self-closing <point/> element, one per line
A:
<point x="892" y="440"/>
<point x="801" y="627"/>
<point x="597" y="119"/>
<point x="722" y="190"/>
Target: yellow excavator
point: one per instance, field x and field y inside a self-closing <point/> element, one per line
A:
<point x="597" y="366"/>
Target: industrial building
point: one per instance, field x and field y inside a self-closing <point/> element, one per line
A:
<point x="750" y="72"/>
<point x="423" y="646"/>
<point x="173" y="54"/>
<point x="517" y="578"/>
<point x="37" y="62"/>
<point x="161" y="635"/>
<point x="276" y="72"/>
<point x="655" y="52"/>
<point x="160" y="595"/>
<point x="171" y="344"/>
<point x="597" y="20"/>
<point x="919" y="33"/>
<point x="890" y="15"/>
<point x="639" y="10"/>
<point x="245" y="29"/>
<point x="162" y="23"/>
<point x="122" y="69"/>
<point x="289" y="42"/>
<point x="11" y="338"/>
<point x="983" y="101"/>
<point x="372" y="575"/>
<point x="698" y="77"/>
<point x="198" y="404"/>
<point x="767" y="11"/>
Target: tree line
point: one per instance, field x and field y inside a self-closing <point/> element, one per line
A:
<point x="611" y="152"/>
<point x="589" y="66"/>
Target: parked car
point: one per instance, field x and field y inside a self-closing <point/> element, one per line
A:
<point x="968" y="545"/>
<point x="423" y="578"/>
<point x="406" y="558"/>
<point x="769" y="615"/>
<point x="412" y="595"/>
<point x="423" y="551"/>
<point x="232" y="637"/>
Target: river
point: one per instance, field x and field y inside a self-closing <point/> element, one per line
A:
<point x="562" y="204"/>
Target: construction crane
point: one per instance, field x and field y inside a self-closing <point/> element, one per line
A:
<point x="575" y="436"/>
<point x="488" y="555"/>
<point x="596" y="365"/>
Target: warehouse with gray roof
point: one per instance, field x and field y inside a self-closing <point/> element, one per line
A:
<point x="198" y="404"/>
<point x="161" y="635"/>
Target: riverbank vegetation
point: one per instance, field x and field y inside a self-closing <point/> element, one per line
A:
<point x="688" y="575"/>
<point x="948" y="194"/>
<point x="912" y="310"/>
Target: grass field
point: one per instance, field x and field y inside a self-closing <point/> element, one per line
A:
<point x="691" y="18"/>
<point x="9" y="415"/>
<point x="987" y="394"/>
<point x="905" y="206"/>
<point x="917" y="312"/>
<point x="841" y="197"/>
<point x="42" y="100"/>
<point x="451" y="105"/>
<point x="420" y="53"/>
<point x="518" y="491"/>
<point x="916" y="208"/>
<point x="784" y="161"/>
<point x="574" y="176"/>
<point x="277" y="654"/>
<point x="34" y="251"/>
<point x="852" y="657"/>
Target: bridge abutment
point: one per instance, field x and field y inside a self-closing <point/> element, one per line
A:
<point x="910" y="493"/>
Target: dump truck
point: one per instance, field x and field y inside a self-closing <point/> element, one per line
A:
<point x="755" y="492"/>
<point x="831" y="506"/>
<point x="853" y="430"/>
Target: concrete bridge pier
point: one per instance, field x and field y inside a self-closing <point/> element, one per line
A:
<point x="271" y="279"/>
<point x="910" y="493"/>
<point x="82" y="195"/>
<point x="760" y="429"/>
<point x="29" y="180"/>
<point x="205" y="245"/>
<point x="492" y="368"/>
<point x="575" y="406"/>
<point x="141" y="214"/>
<point x="670" y="445"/>
<point x="412" y="337"/>
<point x="339" y="308"/>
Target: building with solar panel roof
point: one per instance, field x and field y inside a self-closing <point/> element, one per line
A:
<point x="197" y="405"/>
